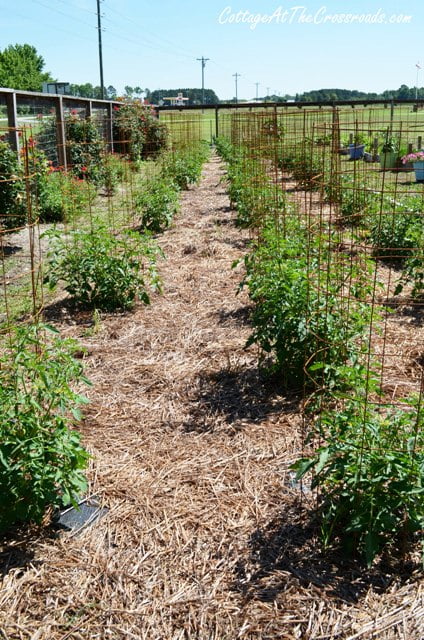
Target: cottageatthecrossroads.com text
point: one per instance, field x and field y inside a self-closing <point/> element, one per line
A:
<point x="302" y="15"/>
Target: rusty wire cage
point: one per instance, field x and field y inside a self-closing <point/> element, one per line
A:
<point x="334" y="199"/>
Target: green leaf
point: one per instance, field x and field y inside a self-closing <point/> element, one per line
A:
<point x="302" y="466"/>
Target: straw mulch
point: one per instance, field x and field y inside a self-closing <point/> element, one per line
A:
<point x="206" y="537"/>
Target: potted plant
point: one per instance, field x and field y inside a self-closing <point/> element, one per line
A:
<point x="357" y="147"/>
<point x="344" y="145"/>
<point x="416" y="158"/>
<point x="389" y="153"/>
<point x="370" y="153"/>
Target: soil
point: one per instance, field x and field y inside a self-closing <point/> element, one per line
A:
<point x="207" y="536"/>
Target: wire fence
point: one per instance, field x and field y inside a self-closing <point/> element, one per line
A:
<point x="72" y="166"/>
<point x="334" y="199"/>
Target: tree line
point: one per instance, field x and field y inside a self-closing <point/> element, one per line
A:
<point x="326" y="95"/>
<point x="22" y="68"/>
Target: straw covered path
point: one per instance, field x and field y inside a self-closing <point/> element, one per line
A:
<point x="206" y="537"/>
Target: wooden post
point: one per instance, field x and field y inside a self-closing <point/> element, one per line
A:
<point x="12" y="120"/>
<point x="60" y="132"/>
<point x="419" y="142"/>
<point x="375" y="148"/>
<point x="89" y="109"/>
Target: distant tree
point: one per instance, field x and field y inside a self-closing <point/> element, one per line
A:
<point x="327" y="95"/>
<point x="86" y="91"/>
<point x="129" y="91"/>
<point x="404" y="92"/>
<point x="21" y="67"/>
<point x="111" y="92"/>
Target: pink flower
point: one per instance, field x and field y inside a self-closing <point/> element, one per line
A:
<point x="416" y="156"/>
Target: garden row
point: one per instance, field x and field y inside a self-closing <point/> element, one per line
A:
<point x="104" y="256"/>
<point x="311" y="273"/>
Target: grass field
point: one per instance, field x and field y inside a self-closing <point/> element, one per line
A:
<point x="373" y="118"/>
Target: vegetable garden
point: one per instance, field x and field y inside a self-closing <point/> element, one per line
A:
<point x="255" y="430"/>
<point x="87" y="230"/>
<point x="336" y="263"/>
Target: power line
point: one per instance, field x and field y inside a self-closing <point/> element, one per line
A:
<point x="66" y="3"/>
<point x="228" y="70"/>
<point x="67" y="15"/>
<point x="144" y="44"/>
<point x="187" y="53"/>
<point x="119" y="36"/>
<point x="53" y="26"/>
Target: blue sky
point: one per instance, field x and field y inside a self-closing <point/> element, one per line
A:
<point x="288" y="47"/>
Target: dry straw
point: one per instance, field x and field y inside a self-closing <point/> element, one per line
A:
<point x="206" y="537"/>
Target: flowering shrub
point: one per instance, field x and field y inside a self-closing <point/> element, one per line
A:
<point x="54" y="194"/>
<point x="12" y="189"/>
<point x="136" y="132"/>
<point x="84" y="148"/>
<point x="415" y="156"/>
<point x="50" y="201"/>
<point x="16" y="178"/>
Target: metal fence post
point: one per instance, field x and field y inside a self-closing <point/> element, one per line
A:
<point x="61" y="134"/>
<point x="109" y="128"/>
<point x="12" y="120"/>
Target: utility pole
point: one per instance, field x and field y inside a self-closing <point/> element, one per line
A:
<point x="236" y="75"/>
<point x="268" y="92"/>
<point x="203" y="61"/>
<point x="99" y="28"/>
<point x="257" y="85"/>
<point x="418" y="66"/>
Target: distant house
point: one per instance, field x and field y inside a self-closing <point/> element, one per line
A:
<point x="176" y="101"/>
